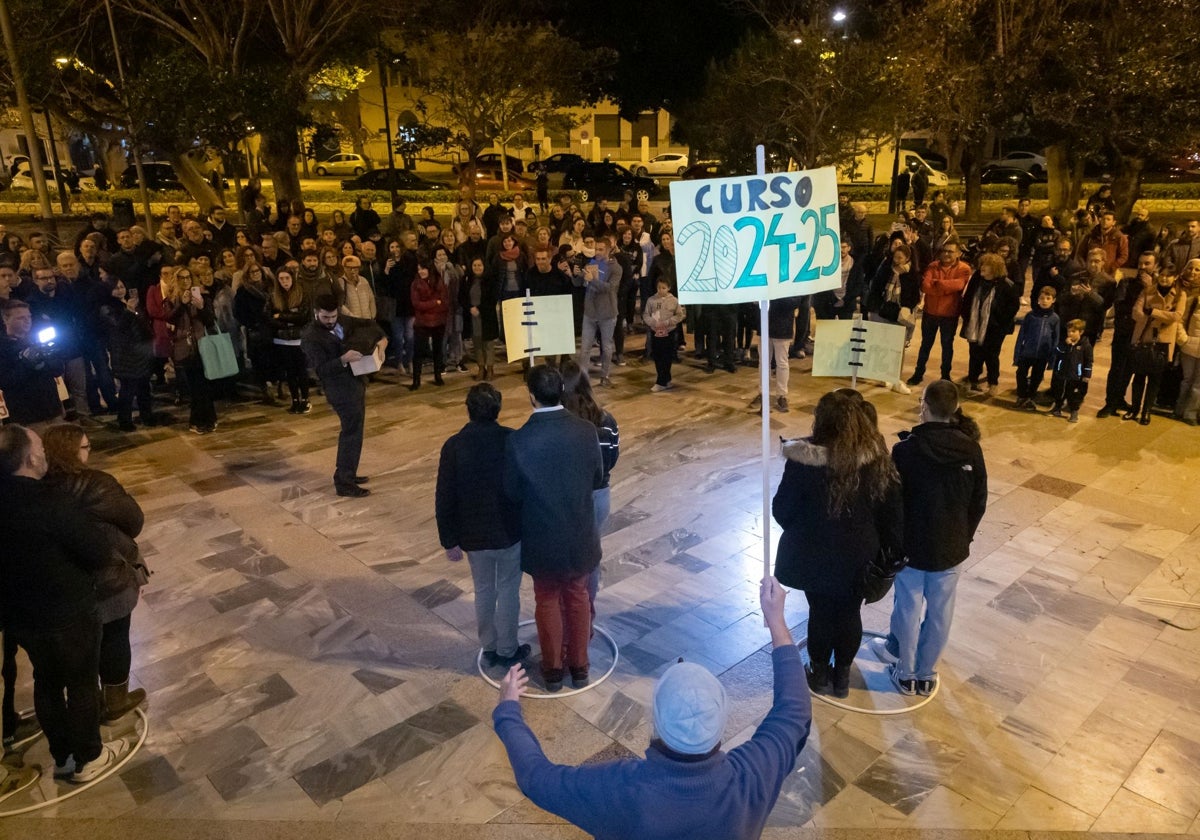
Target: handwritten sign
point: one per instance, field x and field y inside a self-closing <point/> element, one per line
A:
<point x="875" y="351"/>
<point x="756" y="237"/>
<point x="542" y="326"/>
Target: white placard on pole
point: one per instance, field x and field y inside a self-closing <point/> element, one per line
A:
<point x="756" y="237"/>
<point x="538" y="326"/>
<point x="867" y="349"/>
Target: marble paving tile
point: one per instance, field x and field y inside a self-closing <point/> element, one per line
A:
<point x="376" y="682"/>
<point x="1169" y="775"/>
<point x="1038" y="810"/>
<point x="1052" y="486"/>
<point x="150" y="779"/>
<point x="1129" y="813"/>
<point x="904" y="776"/>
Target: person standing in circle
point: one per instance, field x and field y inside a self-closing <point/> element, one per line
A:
<point x="839" y="505"/>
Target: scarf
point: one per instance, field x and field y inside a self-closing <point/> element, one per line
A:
<point x="510" y="254"/>
<point x="981" y="313"/>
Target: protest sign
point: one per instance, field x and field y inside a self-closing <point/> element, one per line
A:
<point x="538" y="326"/>
<point x="756" y="237"/>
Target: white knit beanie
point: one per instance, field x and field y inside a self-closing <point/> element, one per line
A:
<point x="689" y="709"/>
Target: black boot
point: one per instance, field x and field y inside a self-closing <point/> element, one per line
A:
<point x="120" y="701"/>
<point x="295" y="409"/>
<point x="1145" y="418"/>
<point x="840" y="681"/>
<point x="817" y="674"/>
<point x="416" y="381"/>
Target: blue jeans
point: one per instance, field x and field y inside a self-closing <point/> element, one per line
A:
<point x="497" y="576"/>
<point x="402" y="331"/>
<point x="588" y="337"/>
<point x="601" y="505"/>
<point x="918" y="643"/>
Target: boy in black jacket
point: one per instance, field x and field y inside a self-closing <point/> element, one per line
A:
<point x="944" y="481"/>
<point x="1072" y="371"/>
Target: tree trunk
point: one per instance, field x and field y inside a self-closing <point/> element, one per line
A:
<point x="971" y="164"/>
<point x="112" y="158"/>
<point x="1058" y="186"/>
<point x="504" y="165"/>
<point x="279" y="151"/>
<point x="1127" y="184"/>
<point x="1076" y="185"/>
<point x="194" y="182"/>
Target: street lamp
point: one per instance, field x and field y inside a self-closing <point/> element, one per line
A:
<point x="839" y="16"/>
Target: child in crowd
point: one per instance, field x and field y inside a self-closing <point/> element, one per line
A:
<point x="1072" y="370"/>
<point x="1036" y="343"/>
<point x="663" y="314"/>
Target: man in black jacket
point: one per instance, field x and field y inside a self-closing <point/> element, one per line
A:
<point x="48" y="603"/>
<point x="331" y="343"/>
<point x="944" y="481"/>
<point x="475" y="516"/>
<point x="27" y="369"/>
<point x="551" y="466"/>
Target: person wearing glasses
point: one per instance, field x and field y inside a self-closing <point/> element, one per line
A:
<point x="192" y="318"/>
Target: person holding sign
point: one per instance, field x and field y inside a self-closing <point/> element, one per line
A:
<point x="329" y="344"/>
<point x="840" y="507"/>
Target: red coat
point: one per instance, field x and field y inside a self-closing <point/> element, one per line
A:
<point x="431" y="302"/>
<point x="943" y="288"/>
<point x="161" y="314"/>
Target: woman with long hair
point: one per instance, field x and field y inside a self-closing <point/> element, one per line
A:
<point x="431" y="305"/>
<point x="1157" y="316"/>
<point x="946" y="233"/>
<point x="839" y="505"/>
<point x="290" y="311"/>
<point x="579" y="399"/>
<point x="118" y="583"/>
<point x="193" y="316"/>
<point x="481" y="324"/>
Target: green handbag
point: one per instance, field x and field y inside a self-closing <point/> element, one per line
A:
<point x="217" y="356"/>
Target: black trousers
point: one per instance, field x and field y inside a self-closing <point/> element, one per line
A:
<point x="131" y="389"/>
<point x="203" y="412"/>
<point x="1119" y="372"/>
<point x="1029" y="377"/>
<point x="9" y="673"/>
<point x="1069" y="391"/>
<point x="663" y="350"/>
<point x="834" y="628"/>
<point x="98" y="377"/>
<point x="351" y="409"/>
<point x="289" y="361"/>
<point x="1145" y="385"/>
<point x="115" y="656"/>
<point x="985" y="354"/>
<point x="933" y="326"/>
<point x="722" y="325"/>
<point x="66" y="688"/>
<point x="424" y="336"/>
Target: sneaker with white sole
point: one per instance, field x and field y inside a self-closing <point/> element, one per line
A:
<point x="907" y="687"/>
<point x="926" y="687"/>
<point x="878" y="646"/>
<point x="110" y="754"/>
<point x="65" y="770"/>
<point x="900" y="388"/>
<point x="26" y="732"/>
<point x="656" y="388"/>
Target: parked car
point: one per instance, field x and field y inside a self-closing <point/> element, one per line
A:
<point x="75" y="183"/>
<point x="706" y="169"/>
<point x="383" y="179"/>
<point x="342" y="164"/>
<point x="159" y="176"/>
<point x="491" y="160"/>
<point x="1030" y="162"/>
<point x="667" y="164"/>
<point x="491" y="178"/>
<point x="608" y="180"/>
<point x="557" y="162"/>
<point x="1018" y="178"/>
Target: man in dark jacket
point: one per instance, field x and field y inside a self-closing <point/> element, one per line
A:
<point x="944" y="482"/>
<point x="331" y="343"/>
<point x="551" y="466"/>
<point x="474" y="515"/>
<point x="27" y="369"/>
<point x="48" y="603"/>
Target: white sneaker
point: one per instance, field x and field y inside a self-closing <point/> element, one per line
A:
<point x="656" y="387"/>
<point x="110" y="754"/>
<point x="878" y="646"/>
<point x="900" y="388"/>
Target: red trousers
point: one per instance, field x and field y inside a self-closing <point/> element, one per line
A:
<point x="562" y="611"/>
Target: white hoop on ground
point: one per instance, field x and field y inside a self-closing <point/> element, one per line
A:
<point x="616" y="656"/>
<point x="29" y="809"/>
<point x="937" y="686"/>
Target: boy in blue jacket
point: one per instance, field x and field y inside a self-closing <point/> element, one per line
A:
<point x="1072" y="370"/>
<point x="1035" y="347"/>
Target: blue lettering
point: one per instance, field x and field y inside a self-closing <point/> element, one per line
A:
<point x="701" y="195"/>
<point x="731" y="198"/>
<point x="748" y="277"/>
<point x="803" y="191"/>
<point x="779" y="188"/>
<point x="754" y="193"/>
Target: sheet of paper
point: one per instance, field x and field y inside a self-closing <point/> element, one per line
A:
<point x="552" y="321"/>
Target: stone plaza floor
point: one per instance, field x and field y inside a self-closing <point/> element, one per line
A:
<point x="310" y="660"/>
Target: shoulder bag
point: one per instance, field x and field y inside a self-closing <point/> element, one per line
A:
<point x="217" y="356"/>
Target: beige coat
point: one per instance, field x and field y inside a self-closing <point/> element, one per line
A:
<point x="1159" y="325"/>
<point x="357" y="299"/>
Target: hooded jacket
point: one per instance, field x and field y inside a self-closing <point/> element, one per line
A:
<point x="945" y="492"/>
<point x="819" y="552"/>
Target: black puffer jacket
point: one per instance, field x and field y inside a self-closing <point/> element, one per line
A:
<point x="130" y="341"/>
<point x="104" y="501"/>
<point x="820" y="553"/>
<point x="472" y="511"/>
<point x="945" y="492"/>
